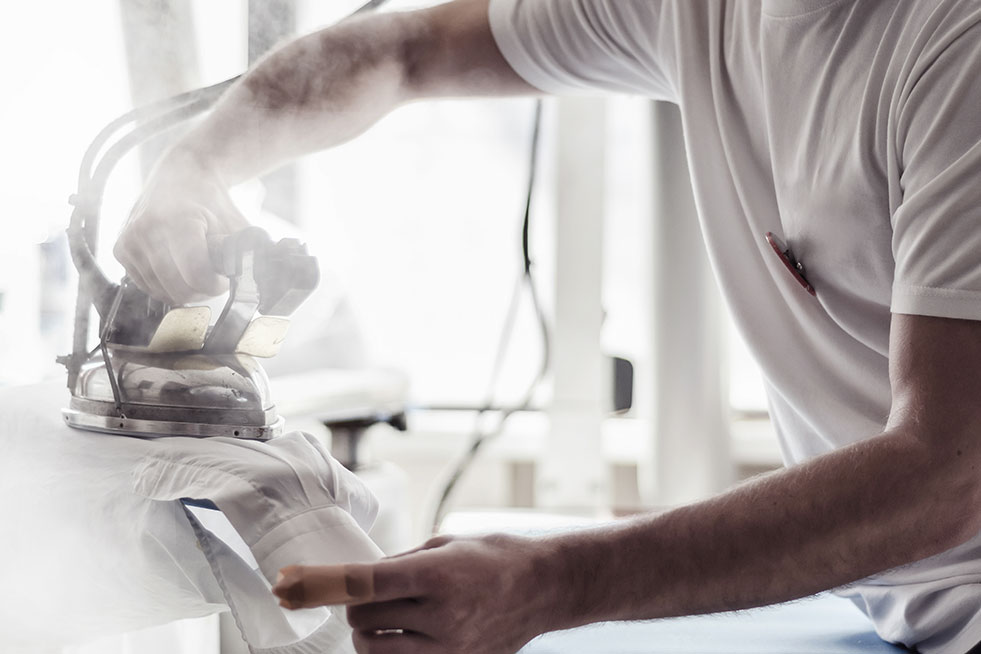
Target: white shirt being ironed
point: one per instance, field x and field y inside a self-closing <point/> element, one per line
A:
<point x="852" y="130"/>
<point x="105" y="534"/>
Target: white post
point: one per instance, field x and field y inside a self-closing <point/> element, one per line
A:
<point x="691" y="457"/>
<point x="573" y="474"/>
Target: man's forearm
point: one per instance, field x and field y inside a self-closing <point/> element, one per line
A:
<point x="873" y="506"/>
<point x="317" y="91"/>
<point x="327" y="87"/>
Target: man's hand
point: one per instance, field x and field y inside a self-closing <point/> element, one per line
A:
<point x="907" y="494"/>
<point x="476" y="595"/>
<point x="164" y="243"/>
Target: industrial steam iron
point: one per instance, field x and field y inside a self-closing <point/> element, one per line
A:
<point x="159" y="370"/>
<point x="167" y="371"/>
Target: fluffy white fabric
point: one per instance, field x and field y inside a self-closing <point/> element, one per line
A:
<point x="97" y="541"/>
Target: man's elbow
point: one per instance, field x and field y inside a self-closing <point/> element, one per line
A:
<point x="952" y="454"/>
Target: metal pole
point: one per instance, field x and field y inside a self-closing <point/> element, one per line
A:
<point x="691" y="457"/>
<point x="573" y="474"/>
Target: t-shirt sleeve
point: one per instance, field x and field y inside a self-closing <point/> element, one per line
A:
<point x="937" y="225"/>
<point x="582" y="46"/>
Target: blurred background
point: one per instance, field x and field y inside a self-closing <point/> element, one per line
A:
<point x="418" y="228"/>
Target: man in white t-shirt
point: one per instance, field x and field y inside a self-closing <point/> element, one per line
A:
<point x="850" y="130"/>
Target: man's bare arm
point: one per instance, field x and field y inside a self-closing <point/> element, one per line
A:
<point x="318" y="91"/>
<point x="911" y="492"/>
<point x="330" y="86"/>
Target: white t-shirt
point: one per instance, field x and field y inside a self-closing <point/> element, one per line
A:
<point x="852" y="130"/>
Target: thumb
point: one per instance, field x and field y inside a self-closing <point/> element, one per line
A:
<point x="228" y="218"/>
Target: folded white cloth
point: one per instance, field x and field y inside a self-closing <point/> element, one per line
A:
<point x="104" y="534"/>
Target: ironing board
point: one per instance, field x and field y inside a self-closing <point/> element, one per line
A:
<point x="823" y="624"/>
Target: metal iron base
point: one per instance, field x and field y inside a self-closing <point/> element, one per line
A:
<point x="111" y="424"/>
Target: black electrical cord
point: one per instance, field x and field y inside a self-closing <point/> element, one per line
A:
<point x="146" y="112"/>
<point x="155" y="117"/>
<point x="526" y="280"/>
<point x="532" y="172"/>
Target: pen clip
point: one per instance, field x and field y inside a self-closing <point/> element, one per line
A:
<point x="795" y="267"/>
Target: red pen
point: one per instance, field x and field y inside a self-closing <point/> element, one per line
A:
<point x="795" y="267"/>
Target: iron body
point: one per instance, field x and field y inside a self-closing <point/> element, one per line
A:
<point x="197" y="395"/>
<point x="169" y="371"/>
<point x="163" y="371"/>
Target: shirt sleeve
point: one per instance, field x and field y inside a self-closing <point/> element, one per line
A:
<point x="581" y="46"/>
<point x="937" y="225"/>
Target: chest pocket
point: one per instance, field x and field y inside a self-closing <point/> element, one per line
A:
<point x="836" y="220"/>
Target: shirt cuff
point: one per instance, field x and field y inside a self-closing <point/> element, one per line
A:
<point x="323" y="536"/>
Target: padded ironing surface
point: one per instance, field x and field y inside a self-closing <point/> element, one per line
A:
<point x="823" y="624"/>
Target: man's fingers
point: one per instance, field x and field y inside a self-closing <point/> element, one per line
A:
<point x="404" y="577"/>
<point x="165" y="252"/>
<point x="354" y="583"/>
<point x="227" y="216"/>
<point x="192" y="260"/>
<point x="410" y="615"/>
<point x="132" y="270"/>
<point x="307" y="586"/>
<point x="176" y="290"/>
<point x="400" y="578"/>
<point x="432" y="543"/>
<point x="394" y="643"/>
<point x="138" y="267"/>
<point x="148" y="260"/>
